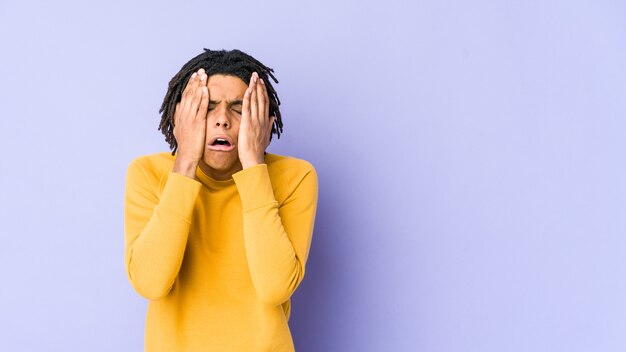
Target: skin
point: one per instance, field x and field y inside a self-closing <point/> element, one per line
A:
<point x="221" y="105"/>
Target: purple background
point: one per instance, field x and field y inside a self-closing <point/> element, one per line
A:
<point x="470" y="155"/>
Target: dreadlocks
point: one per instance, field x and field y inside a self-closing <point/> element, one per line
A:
<point x="234" y="63"/>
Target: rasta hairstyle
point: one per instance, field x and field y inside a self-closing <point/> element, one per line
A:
<point x="233" y="63"/>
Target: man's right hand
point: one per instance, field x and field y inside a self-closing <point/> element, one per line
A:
<point x="190" y="124"/>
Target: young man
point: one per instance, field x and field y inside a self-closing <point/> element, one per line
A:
<point x="217" y="233"/>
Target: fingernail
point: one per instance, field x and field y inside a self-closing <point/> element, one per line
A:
<point x="261" y="79"/>
<point x="194" y="75"/>
<point x="205" y="89"/>
<point x="203" y="77"/>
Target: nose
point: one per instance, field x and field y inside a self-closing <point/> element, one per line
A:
<point x="221" y="119"/>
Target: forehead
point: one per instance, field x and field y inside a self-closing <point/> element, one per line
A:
<point x="225" y="87"/>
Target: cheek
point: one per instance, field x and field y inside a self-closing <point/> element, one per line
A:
<point x="236" y="123"/>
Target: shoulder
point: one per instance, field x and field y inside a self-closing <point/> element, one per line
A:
<point x="152" y="168"/>
<point x="281" y="165"/>
<point x="288" y="173"/>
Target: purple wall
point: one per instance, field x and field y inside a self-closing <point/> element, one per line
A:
<point x="470" y="155"/>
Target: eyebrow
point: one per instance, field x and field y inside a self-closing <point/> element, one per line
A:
<point x="228" y="102"/>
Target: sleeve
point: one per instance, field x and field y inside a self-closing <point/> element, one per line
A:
<point x="277" y="238"/>
<point x="156" y="227"/>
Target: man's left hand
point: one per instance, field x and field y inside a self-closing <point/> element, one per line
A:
<point x="256" y="125"/>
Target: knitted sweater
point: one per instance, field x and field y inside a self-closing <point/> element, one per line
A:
<point x="218" y="260"/>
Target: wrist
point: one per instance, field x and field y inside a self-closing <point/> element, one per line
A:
<point x="250" y="163"/>
<point x="185" y="167"/>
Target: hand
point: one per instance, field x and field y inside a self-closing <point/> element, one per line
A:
<point x="256" y="125"/>
<point x="190" y="123"/>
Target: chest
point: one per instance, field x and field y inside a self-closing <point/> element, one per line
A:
<point x="217" y="224"/>
<point x="215" y="256"/>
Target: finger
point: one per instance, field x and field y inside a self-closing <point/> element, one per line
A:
<point x="189" y="83"/>
<point x="197" y="96"/>
<point x="254" y="108"/>
<point x="261" y="96"/>
<point x="245" y="109"/>
<point x="266" y="100"/>
<point x="196" y="93"/>
<point x="189" y="90"/>
<point x="192" y="87"/>
<point x="204" y="104"/>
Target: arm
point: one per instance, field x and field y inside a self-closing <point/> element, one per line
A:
<point x="156" y="227"/>
<point x="277" y="237"/>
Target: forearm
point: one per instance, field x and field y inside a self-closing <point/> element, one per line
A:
<point x="155" y="257"/>
<point x="156" y="238"/>
<point x="276" y="238"/>
<point x="274" y="266"/>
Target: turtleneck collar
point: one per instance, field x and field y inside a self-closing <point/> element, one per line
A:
<point x="211" y="182"/>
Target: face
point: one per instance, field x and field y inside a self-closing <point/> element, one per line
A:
<point x="221" y="159"/>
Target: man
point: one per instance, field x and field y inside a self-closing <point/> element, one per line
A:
<point x="218" y="232"/>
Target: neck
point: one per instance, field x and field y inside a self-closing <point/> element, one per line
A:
<point x="219" y="175"/>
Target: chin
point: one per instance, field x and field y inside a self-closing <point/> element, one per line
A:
<point x="221" y="161"/>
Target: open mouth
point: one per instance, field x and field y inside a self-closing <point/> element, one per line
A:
<point x="221" y="143"/>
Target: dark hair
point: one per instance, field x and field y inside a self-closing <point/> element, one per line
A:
<point x="234" y="63"/>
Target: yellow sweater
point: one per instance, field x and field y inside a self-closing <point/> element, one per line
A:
<point x="218" y="260"/>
